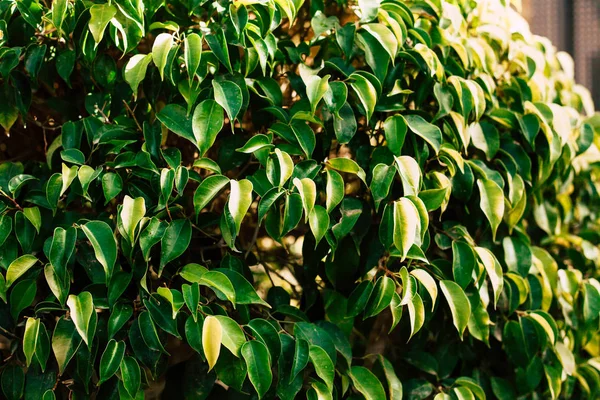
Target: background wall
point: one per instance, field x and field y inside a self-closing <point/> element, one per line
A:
<point x="573" y="26"/>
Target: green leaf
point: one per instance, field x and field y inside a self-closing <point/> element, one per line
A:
<point x="232" y="335"/>
<point x="406" y="225"/>
<point x="366" y="383"/>
<point x="175" y="241"/>
<point x="192" y="53"/>
<point x="358" y="298"/>
<point x="8" y="115"/>
<point x="13" y="381"/>
<point x="565" y="355"/>
<point x="316" y="87"/>
<point x="59" y="12"/>
<point x="6" y="226"/>
<point x="131" y="214"/>
<point x="175" y="118"/>
<point x="112" y="184"/>
<point x="220" y="282"/>
<point x="149" y="332"/>
<point x="428" y="283"/>
<point x="191" y="296"/>
<point x="301" y="356"/>
<point x="305" y="137"/>
<point x="161" y="312"/>
<point x="410" y="174"/>
<point x="212" y="334"/>
<point x="491" y="203"/>
<point x="208" y="164"/>
<point x="553" y="376"/>
<point x="120" y="314"/>
<point x="86" y="175"/>
<point x="240" y="199"/>
<point x="427" y="131"/>
<point x="409" y="286"/>
<point x="493" y="269"/>
<point x="380" y="297"/>
<point x="174" y="297"/>
<point x="30" y="339"/>
<point x="267" y="201"/>
<point x="207" y="122"/>
<point x="334" y="190"/>
<point x="547" y="323"/>
<point x="485" y="137"/>
<point x="384" y="36"/>
<point x="463" y="263"/>
<point x="347" y="165"/>
<point x="18" y="267"/>
<point x="65" y="343"/>
<point x="42" y="348"/>
<point x="286" y="167"/>
<point x="68" y="175"/>
<point x="104" y="244"/>
<point x="135" y="71"/>
<point x="292" y="213"/>
<point x="319" y="391"/>
<point x="83" y="315"/>
<point x="366" y="92"/>
<point x="160" y="52"/>
<point x="591" y="303"/>
<point x="218" y="45"/>
<point x="517" y="255"/>
<point x="394" y="386"/>
<point x="344" y="124"/>
<point x="111" y="360"/>
<point x="308" y="192"/>
<point x="383" y="176"/>
<point x="151" y="235"/>
<point x="100" y="16"/>
<point x="244" y="292"/>
<point x="131" y="376"/>
<point x="73" y="156"/>
<point x="416" y="313"/>
<point x="323" y="365"/>
<point x="256" y="355"/>
<point x="319" y="223"/>
<point x="192" y="272"/>
<point x="266" y="332"/>
<point x="255" y="143"/>
<point x="229" y="96"/>
<point x="459" y="304"/>
<point x="208" y="190"/>
<point x="18" y="181"/>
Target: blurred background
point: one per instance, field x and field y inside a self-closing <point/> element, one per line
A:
<point x="574" y="27"/>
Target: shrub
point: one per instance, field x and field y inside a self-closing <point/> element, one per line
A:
<point x="285" y="198"/>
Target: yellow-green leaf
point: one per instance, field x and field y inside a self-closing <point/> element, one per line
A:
<point x="212" y="334"/>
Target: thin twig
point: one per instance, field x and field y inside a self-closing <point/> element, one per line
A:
<point x="253" y="241"/>
<point x="133" y="115"/>
<point x="267" y="268"/>
<point x="11" y="199"/>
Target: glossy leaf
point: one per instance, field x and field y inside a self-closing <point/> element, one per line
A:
<point x="366" y="383"/>
<point x="256" y="356"/>
<point x="18" y="267"/>
<point x="491" y="203"/>
<point x="459" y="304"/>
<point x="207" y="122"/>
<point x="83" y="315"/>
<point x="111" y="360"/>
<point x="104" y="244"/>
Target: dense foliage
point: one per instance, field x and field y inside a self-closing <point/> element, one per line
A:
<point x="279" y="198"/>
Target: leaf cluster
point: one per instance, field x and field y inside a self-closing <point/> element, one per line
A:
<point x="294" y="199"/>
